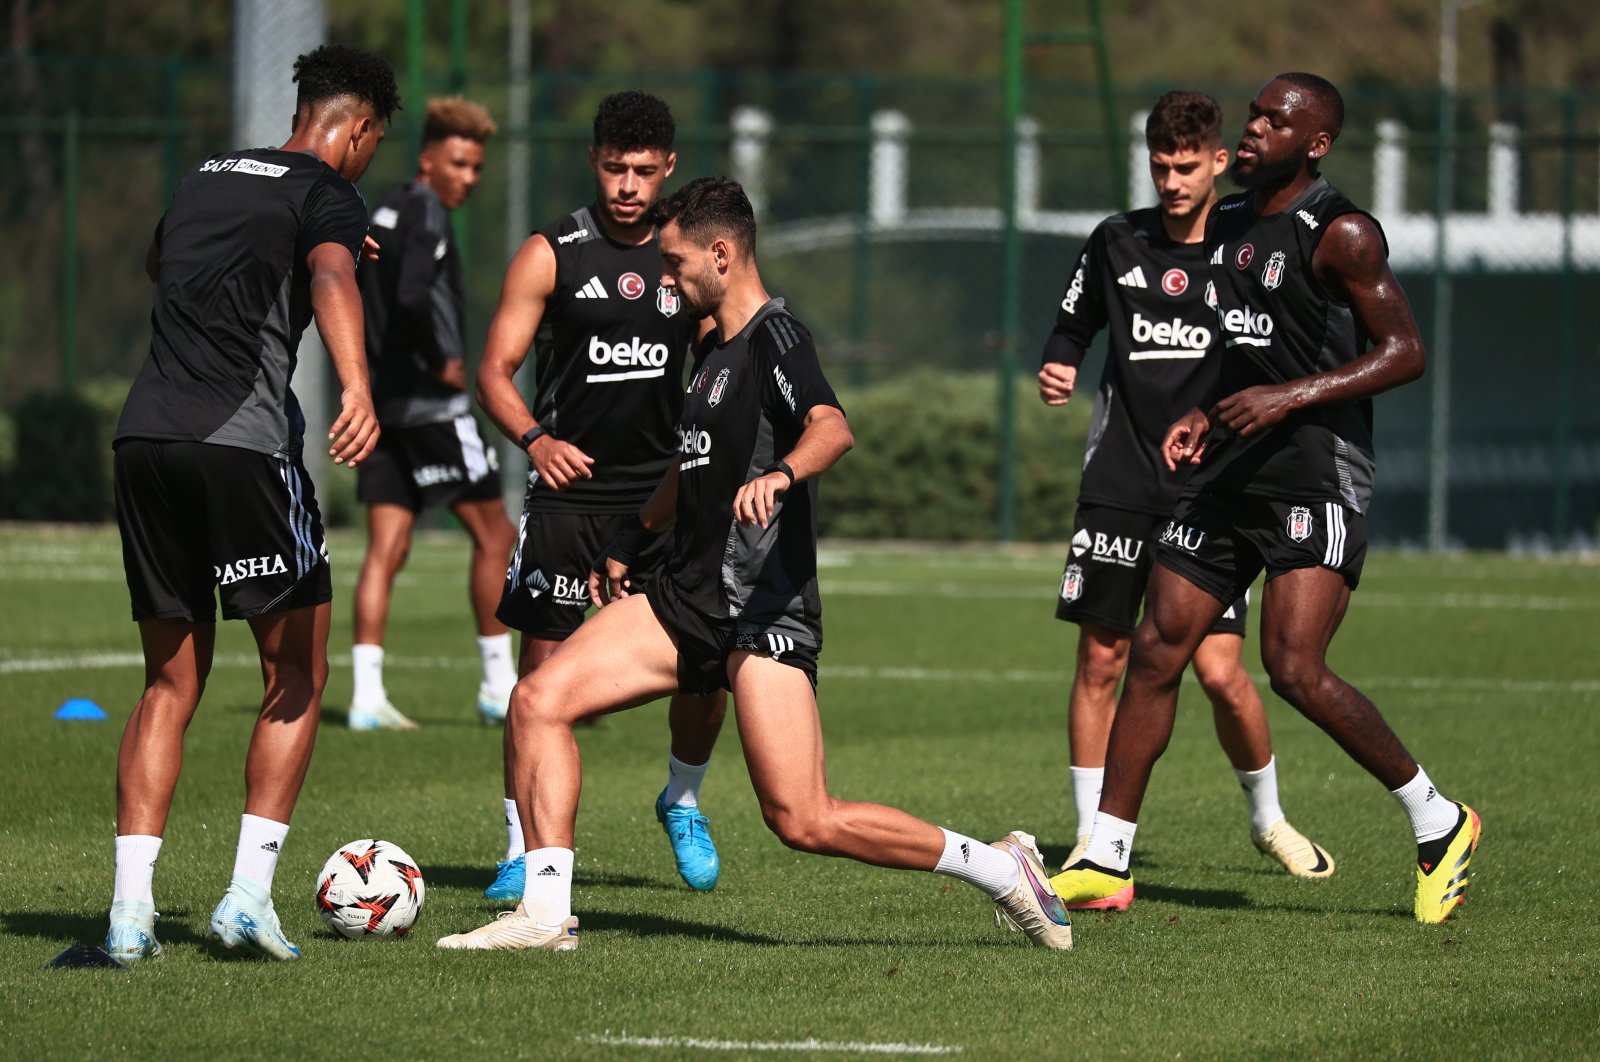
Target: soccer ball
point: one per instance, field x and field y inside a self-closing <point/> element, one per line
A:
<point x="370" y="889"/>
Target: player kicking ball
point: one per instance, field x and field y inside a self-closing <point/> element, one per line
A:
<point x="734" y="607"/>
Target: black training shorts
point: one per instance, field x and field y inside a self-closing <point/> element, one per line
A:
<point x="1108" y="569"/>
<point x="429" y="465"/>
<point x="705" y="642"/>
<point x="1220" y="542"/>
<point x="198" y="519"/>
<point x="546" y="592"/>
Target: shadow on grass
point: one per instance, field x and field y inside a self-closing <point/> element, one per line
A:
<point x="479" y="877"/>
<point x="75" y="927"/>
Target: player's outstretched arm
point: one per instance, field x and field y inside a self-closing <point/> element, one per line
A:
<point x="825" y="438"/>
<point x="529" y="282"/>
<point x="336" y="302"/>
<point x="1351" y="260"/>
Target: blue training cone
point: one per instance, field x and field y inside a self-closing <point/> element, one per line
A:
<point x="80" y="709"/>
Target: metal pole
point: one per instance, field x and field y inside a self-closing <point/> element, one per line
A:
<point x="1010" y="269"/>
<point x="1565" y="338"/>
<point x="1108" y="106"/>
<point x="519" y="55"/>
<point x="69" y="251"/>
<point x="1444" y="193"/>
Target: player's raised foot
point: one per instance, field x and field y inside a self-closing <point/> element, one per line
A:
<point x="1086" y="886"/>
<point x="1076" y="853"/>
<point x="510" y="877"/>
<point x="692" y="848"/>
<point x="245" y="919"/>
<point x="1031" y="906"/>
<point x="513" y="931"/>
<point x="132" y="935"/>
<point x="1442" y="868"/>
<point x="1299" y="855"/>
<point x="381" y="716"/>
<point x="492" y="707"/>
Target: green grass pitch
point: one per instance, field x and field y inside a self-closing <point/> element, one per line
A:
<point x="943" y="691"/>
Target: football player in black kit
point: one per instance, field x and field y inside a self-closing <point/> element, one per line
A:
<point x="1141" y="277"/>
<point x="432" y="452"/>
<point x="1313" y="324"/>
<point x="211" y="492"/>
<point x="734" y="607"/>
<point x="610" y="344"/>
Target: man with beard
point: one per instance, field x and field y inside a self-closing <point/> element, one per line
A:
<point x="1313" y="324"/>
<point x="610" y="343"/>
<point x="1141" y="277"/>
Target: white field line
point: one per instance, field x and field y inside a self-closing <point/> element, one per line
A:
<point x="1464" y="683"/>
<point x="695" y="1043"/>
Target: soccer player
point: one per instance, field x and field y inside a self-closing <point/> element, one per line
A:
<point x="1142" y="277"/>
<point x="610" y="345"/>
<point x="1313" y="324"/>
<point x="431" y="452"/>
<point x="211" y="493"/>
<point x="734" y="607"/>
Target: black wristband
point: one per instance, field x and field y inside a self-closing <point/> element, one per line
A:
<point x="780" y="466"/>
<point x="530" y="435"/>
<point x="631" y="541"/>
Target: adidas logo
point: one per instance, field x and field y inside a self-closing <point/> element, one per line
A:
<point x="1216" y="259"/>
<point x="270" y="846"/>
<point x="549" y="872"/>
<point x="593" y="289"/>
<point x="966" y="852"/>
<point x="1133" y="278"/>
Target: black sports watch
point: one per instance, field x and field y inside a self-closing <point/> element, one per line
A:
<point x="530" y="435"/>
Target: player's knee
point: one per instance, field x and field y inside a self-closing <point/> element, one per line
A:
<point x="1222" y="680"/>
<point x="1295" y="676"/>
<point x="1153" y="658"/>
<point x="1100" y="667"/>
<point x="803" y="829"/>
<point x="294" y="682"/>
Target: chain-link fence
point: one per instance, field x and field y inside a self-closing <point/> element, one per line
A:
<point x="881" y="221"/>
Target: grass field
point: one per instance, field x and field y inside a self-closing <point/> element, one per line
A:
<point x="943" y="691"/>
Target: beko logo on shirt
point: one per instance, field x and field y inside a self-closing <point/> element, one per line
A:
<point x="1180" y="340"/>
<point x="1075" y="289"/>
<point x="695" y="445"/>
<point x="249" y="568"/>
<point x="638" y="359"/>
<point x="1249" y="327"/>
<point x="250" y="166"/>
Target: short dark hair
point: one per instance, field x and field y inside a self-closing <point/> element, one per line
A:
<point x="455" y="116"/>
<point x="634" y="121"/>
<point x="335" y="70"/>
<point x="708" y="207"/>
<point x="1183" y="121"/>
<point x="1328" y="100"/>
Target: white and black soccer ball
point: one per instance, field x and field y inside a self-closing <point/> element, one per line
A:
<point x="370" y="888"/>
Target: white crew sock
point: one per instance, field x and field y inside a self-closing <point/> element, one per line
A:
<point x="1432" y="815"/>
<point x="683" y="782"/>
<point x="514" y="844"/>
<point x="366" y="661"/>
<point x="260" y="841"/>
<point x="1086" y="785"/>
<point x="1110" y="842"/>
<point x="499" y="669"/>
<point x="1261" y="793"/>
<point x="976" y="863"/>
<point x="136" y="867"/>
<point x="547" y="896"/>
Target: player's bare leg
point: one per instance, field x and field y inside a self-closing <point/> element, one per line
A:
<point x="389" y="530"/>
<point x="294" y="669"/>
<point x="492" y="540"/>
<point x="1241" y="722"/>
<point x="177" y="660"/>
<point x="1102" y="658"/>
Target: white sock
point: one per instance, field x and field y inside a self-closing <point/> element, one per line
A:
<point x="1261" y="793"/>
<point x="260" y="841"/>
<point x="1110" y="842"/>
<point x="1431" y="814"/>
<point x="683" y="782"/>
<point x="547" y="896"/>
<point x="366" y="661"/>
<point x="1086" y="785"/>
<point x="514" y="845"/>
<point x="976" y="863"/>
<point x="136" y="867"/>
<point x="499" y="668"/>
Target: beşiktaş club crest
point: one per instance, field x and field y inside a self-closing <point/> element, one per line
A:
<point x="719" y="387"/>
<point x="1072" y="583"/>
<point x="1299" y="523"/>
<point x="1272" y="275"/>
<point x="667" y="301"/>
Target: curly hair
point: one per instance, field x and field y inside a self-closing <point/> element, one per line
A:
<point x="335" y="70"/>
<point x="708" y="207"/>
<point x="1184" y="121"/>
<point x="456" y="116"/>
<point x="634" y="121"/>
